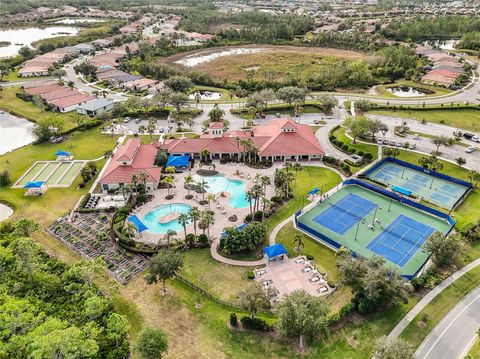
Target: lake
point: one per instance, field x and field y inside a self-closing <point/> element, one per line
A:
<point x="442" y="44"/>
<point x="77" y="20"/>
<point x="26" y="36"/>
<point x="207" y="56"/>
<point x="15" y="132"/>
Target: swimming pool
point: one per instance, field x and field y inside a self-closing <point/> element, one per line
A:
<point x="151" y="219"/>
<point x="220" y="183"/>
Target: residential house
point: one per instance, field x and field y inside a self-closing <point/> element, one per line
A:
<point x="94" y="107"/>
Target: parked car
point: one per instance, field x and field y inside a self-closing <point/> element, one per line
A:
<point x="385" y="141"/>
<point x="476" y="139"/>
<point x="379" y="142"/>
<point x="413" y="146"/>
<point x="137" y="120"/>
<point x="468" y="136"/>
<point x="398" y="144"/>
<point x="161" y="130"/>
<point x="127" y="119"/>
<point x="392" y="143"/>
<point x="470" y="149"/>
<point x="415" y="136"/>
<point x="277" y="115"/>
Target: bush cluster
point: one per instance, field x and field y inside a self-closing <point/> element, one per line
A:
<point x="255" y="324"/>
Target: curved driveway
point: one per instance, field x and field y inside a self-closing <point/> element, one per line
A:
<point x="457" y="331"/>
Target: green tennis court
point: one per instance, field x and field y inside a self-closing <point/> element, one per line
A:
<point x="369" y="223"/>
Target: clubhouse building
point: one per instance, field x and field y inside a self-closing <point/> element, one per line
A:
<point x="278" y="140"/>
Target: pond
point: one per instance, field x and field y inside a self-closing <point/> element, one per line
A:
<point x="442" y="44"/>
<point x="203" y="57"/>
<point x="15" y="132"/>
<point x="26" y="36"/>
<point x="205" y="95"/>
<point x="408" y="91"/>
<point x="81" y="20"/>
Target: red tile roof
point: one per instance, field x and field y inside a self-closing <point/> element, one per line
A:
<point x="143" y="158"/>
<point x="72" y="100"/>
<point x="42" y="89"/>
<point x="270" y="140"/>
<point x="57" y="94"/>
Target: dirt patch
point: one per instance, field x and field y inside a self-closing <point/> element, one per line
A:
<point x="352" y="341"/>
<point x="422" y="324"/>
<point x="263" y="62"/>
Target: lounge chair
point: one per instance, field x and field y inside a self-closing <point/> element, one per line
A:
<point x="322" y="289"/>
<point x="306" y="269"/>
<point x="314" y="279"/>
<point x="300" y="260"/>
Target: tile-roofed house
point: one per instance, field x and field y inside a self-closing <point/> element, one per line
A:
<point x="70" y="103"/>
<point x="57" y="94"/>
<point x="32" y="91"/>
<point x="140" y="84"/>
<point x="131" y="158"/>
<point x="281" y="139"/>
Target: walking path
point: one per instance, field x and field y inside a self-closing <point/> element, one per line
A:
<point x="456" y="332"/>
<point x="217" y="256"/>
<point x="428" y="298"/>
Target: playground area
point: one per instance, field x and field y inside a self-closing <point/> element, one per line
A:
<point x="370" y="223"/>
<point x="410" y="180"/>
<point x="53" y="173"/>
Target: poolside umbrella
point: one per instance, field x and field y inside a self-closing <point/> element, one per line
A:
<point x="313" y="191"/>
<point x="31" y="185"/>
<point x="178" y="161"/>
<point x="137" y="223"/>
<point x="62" y="153"/>
<point x="239" y="227"/>
<point x="274" y="251"/>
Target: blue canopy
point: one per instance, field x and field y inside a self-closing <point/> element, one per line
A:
<point x="137" y="223"/>
<point x="62" y="153"/>
<point x="402" y="190"/>
<point x="275" y="250"/>
<point x="313" y="191"/>
<point x="242" y="226"/>
<point x="34" y="185"/>
<point x="178" y="161"/>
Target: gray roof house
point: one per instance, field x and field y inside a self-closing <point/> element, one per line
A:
<point x="95" y="107"/>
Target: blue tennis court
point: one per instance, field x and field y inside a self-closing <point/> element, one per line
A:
<point x="345" y="213"/>
<point x="401" y="240"/>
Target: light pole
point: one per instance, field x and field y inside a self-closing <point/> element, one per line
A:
<point x="374" y="215"/>
<point x="356" y="232"/>
<point x="321" y="189"/>
<point x="390" y="205"/>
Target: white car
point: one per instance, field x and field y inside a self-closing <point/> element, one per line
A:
<point x="476" y="139"/>
<point x="470" y="149"/>
<point x="415" y="136"/>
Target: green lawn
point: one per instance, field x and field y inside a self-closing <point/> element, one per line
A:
<point x="467" y="119"/>
<point x="222" y="280"/>
<point x="429" y="317"/>
<point x="86" y="145"/>
<point x="11" y="103"/>
<point x="474" y="351"/>
<point x="308" y="178"/>
<point x="339" y="133"/>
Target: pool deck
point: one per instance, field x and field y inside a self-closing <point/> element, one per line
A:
<point x="219" y="206"/>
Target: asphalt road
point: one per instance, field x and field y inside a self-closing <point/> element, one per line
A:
<point x="455" y="334"/>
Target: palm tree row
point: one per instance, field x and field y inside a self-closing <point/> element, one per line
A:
<point x="258" y="195"/>
<point x="200" y="219"/>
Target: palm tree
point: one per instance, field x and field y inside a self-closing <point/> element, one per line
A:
<point x="168" y="181"/>
<point x="134" y="182"/>
<point x="169" y="236"/>
<point x="210" y="197"/>
<point x="298" y="240"/>
<point x="474" y="177"/>
<point x="297" y="166"/>
<point x="205" y="155"/>
<point x="231" y="93"/>
<point x="265" y="181"/>
<point x="288" y="165"/>
<point x="266" y="203"/>
<point x="143" y="176"/>
<point x="188" y="180"/>
<point x="251" y="112"/>
<point x="250" y="196"/>
<point x="183" y="219"/>
<point x="203" y="186"/>
<point x="194" y="215"/>
<point x="126" y="190"/>
<point x="257" y="193"/>
<point x="206" y="219"/>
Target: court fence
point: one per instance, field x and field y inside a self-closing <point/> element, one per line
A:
<point x="419" y="169"/>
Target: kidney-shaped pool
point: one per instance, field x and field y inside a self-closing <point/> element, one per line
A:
<point x="157" y="219"/>
<point x="220" y="183"/>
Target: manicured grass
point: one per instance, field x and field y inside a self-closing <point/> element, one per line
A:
<point x="55" y="202"/>
<point x="11" y="103"/>
<point x="308" y="178"/>
<point x="416" y="332"/>
<point x="474" y="351"/>
<point x="222" y="280"/>
<point x="339" y="133"/>
<point x="468" y="119"/>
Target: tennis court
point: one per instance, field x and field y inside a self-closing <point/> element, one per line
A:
<point x="342" y="215"/>
<point x="369" y="223"/>
<point x="401" y="239"/>
<point x="438" y="191"/>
